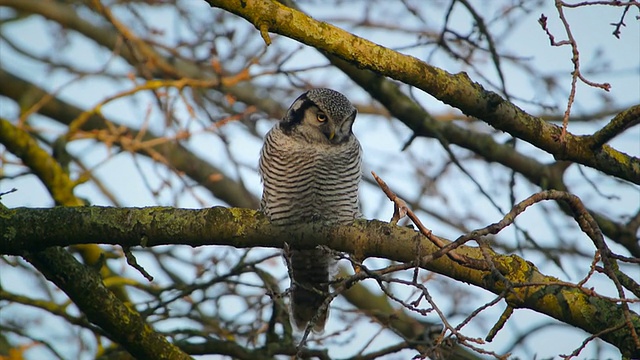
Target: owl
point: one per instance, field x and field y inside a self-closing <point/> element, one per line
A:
<point x="311" y="165"/>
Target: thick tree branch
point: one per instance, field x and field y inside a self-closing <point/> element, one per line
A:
<point x="85" y="287"/>
<point x="456" y="90"/>
<point x="40" y="162"/>
<point x="39" y="228"/>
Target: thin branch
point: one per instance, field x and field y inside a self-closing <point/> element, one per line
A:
<point x="624" y="120"/>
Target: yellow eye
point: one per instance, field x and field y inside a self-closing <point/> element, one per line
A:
<point x="321" y="117"/>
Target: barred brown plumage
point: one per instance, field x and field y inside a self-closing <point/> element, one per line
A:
<point x="311" y="165"/>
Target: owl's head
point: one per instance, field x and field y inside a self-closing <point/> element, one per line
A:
<point x="320" y="115"/>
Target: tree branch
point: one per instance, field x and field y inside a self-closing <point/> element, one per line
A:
<point x="456" y="90"/>
<point x="85" y="287"/>
<point x="40" y="162"/>
<point x="616" y="126"/>
<point x="152" y="226"/>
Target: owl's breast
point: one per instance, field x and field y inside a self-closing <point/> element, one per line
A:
<point x="310" y="183"/>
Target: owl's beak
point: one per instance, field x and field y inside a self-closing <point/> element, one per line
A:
<point x="332" y="134"/>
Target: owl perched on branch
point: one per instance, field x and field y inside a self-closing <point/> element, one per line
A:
<point x="311" y="165"/>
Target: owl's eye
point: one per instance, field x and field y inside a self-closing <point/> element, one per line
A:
<point x="321" y="117"/>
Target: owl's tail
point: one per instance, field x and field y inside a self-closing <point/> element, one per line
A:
<point x="310" y="270"/>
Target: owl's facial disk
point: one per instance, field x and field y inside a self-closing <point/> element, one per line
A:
<point x="320" y="127"/>
<point x="312" y="122"/>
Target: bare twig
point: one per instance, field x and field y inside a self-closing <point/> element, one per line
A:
<point x="131" y="260"/>
<point x="7" y="192"/>
<point x="576" y="74"/>
<point x="399" y="203"/>
<point x="498" y="325"/>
